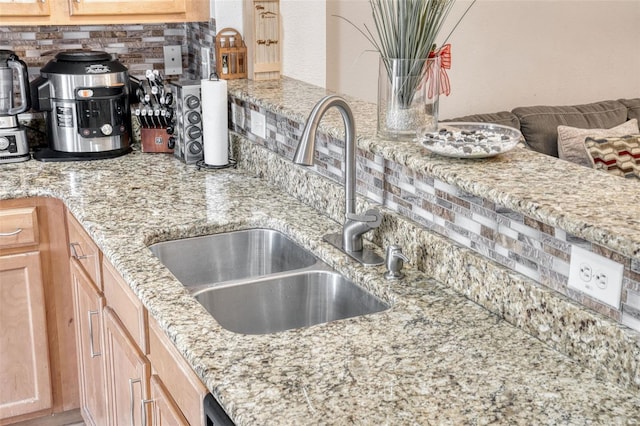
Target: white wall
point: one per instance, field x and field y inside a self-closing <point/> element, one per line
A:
<point x="302" y="33"/>
<point x="304" y="41"/>
<point x="507" y="53"/>
<point x="228" y="14"/>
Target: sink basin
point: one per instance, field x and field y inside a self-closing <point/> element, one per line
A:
<point x="286" y="302"/>
<point x="258" y="281"/>
<point x="231" y="256"/>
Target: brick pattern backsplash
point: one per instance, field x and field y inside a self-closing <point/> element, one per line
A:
<point x="534" y="249"/>
<point x="138" y="46"/>
<point x="199" y="34"/>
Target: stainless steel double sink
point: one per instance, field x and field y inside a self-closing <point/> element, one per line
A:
<point x="258" y="281"/>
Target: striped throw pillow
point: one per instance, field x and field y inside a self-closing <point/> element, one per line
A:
<point x="616" y="155"/>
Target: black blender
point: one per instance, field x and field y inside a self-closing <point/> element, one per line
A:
<point x="13" y="138"/>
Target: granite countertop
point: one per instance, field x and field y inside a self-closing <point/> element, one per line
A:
<point x="434" y="357"/>
<point x="589" y="204"/>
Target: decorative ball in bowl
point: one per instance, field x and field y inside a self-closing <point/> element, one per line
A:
<point x="470" y="140"/>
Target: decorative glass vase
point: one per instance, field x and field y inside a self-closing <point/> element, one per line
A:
<point x="408" y="92"/>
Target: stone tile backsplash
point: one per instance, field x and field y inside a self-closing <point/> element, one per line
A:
<point x="532" y="248"/>
<point x="138" y="46"/>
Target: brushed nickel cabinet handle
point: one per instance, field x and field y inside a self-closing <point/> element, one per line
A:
<point x="145" y="419"/>
<point x="93" y="353"/>
<point x="77" y="253"/>
<point x="10" y="234"/>
<point x="131" y="402"/>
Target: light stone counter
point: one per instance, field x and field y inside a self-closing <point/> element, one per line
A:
<point x="433" y="358"/>
<point x="592" y="205"/>
<point x="514" y="220"/>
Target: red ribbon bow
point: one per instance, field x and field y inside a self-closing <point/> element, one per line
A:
<point x="444" y="56"/>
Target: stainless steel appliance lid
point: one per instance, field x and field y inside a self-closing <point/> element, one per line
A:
<point x="83" y="56"/>
<point x="83" y="62"/>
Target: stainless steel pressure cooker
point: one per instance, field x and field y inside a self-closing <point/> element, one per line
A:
<point x="85" y="95"/>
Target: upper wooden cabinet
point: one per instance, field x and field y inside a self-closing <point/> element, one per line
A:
<point x="81" y="12"/>
<point x="25" y="8"/>
<point x="125" y="7"/>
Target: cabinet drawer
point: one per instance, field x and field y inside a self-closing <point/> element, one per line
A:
<point x="126" y="304"/>
<point x="82" y="247"/>
<point x="18" y="227"/>
<point x="165" y="410"/>
<point x="181" y="381"/>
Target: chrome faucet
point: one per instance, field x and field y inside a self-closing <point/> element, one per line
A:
<point x="350" y="240"/>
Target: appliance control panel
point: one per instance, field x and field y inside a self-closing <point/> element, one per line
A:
<point x="188" y="121"/>
<point x="13" y="145"/>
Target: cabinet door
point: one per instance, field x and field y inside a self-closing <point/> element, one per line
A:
<point x="24" y="8"/>
<point x="126" y="7"/>
<point x="24" y="358"/>
<point x="165" y="410"/>
<point x="128" y="374"/>
<point x="88" y="306"/>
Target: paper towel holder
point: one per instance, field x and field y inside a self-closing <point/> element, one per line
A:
<point x="232" y="162"/>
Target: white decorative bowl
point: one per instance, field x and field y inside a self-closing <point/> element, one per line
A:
<point x="470" y="140"/>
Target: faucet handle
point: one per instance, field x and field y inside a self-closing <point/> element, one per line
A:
<point x="372" y="217"/>
<point x="394" y="260"/>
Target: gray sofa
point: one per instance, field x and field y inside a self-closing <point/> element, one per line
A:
<point x="539" y="124"/>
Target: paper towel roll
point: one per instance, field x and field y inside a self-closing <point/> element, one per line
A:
<point x="215" y="134"/>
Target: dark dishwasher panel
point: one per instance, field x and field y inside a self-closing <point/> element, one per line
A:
<point x="214" y="414"/>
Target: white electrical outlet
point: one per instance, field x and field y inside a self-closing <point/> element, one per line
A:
<point x="172" y="60"/>
<point x="595" y="275"/>
<point x="238" y="115"/>
<point x="205" y="56"/>
<point x="258" y="124"/>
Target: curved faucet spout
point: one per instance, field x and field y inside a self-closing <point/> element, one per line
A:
<point x="350" y="241"/>
<point x="306" y="147"/>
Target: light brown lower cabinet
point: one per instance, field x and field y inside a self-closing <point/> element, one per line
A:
<point x="129" y="371"/>
<point x="38" y="375"/>
<point x="182" y="383"/>
<point x="128" y="374"/>
<point x="25" y="383"/>
<point x="74" y="335"/>
<point x="164" y="410"/>
<point x="89" y="305"/>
